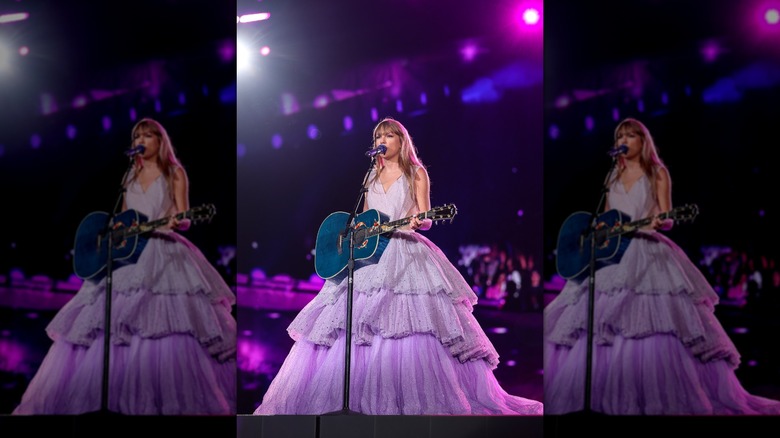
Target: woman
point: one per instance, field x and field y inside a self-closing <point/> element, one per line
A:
<point x="173" y="335"/>
<point x="657" y="347"/>
<point x="417" y="348"/>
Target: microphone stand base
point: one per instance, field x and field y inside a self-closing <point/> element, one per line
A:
<point x="343" y="412"/>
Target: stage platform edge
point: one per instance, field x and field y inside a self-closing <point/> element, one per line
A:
<point x="389" y="426"/>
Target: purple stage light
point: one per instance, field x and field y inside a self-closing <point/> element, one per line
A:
<point x="277" y="141"/>
<point x="374" y="114"/>
<point x="348" y="124"/>
<point x="240" y="150"/>
<point x="710" y="51"/>
<point x="35" y="141"/>
<point x="257" y="274"/>
<point x="227" y="51"/>
<point x="80" y="101"/>
<point x="71" y="132"/>
<point x="562" y="102"/>
<point x="589" y="123"/>
<point x="321" y="101"/>
<point x="106" y="122"/>
<point x="313" y="132"/>
<point x="554" y="132"/>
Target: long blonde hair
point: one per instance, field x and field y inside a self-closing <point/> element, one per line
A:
<point x="407" y="158"/>
<point x="166" y="156"/>
<point x="649" y="160"/>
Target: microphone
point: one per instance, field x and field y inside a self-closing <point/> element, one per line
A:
<point x="614" y="152"/>
<point x="140" y="149"/>
<point x="381" y="149"/>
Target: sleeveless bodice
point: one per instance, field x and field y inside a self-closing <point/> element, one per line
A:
<point x="638" y="202"/>
<point x="396" y="202"/>
<point x="155" y="203"/>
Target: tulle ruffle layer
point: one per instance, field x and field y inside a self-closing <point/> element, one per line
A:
<point x="412" y="290"/>
<point x="407" y="376"/>
<point x="654" y="375"/>
<point x="655" y="290"/>
<point x="171" y="289"/>
<point x="166" y="376"/>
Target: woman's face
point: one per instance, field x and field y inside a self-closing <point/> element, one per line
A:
<point x="389" y="139"/>
<point x="149" y="140"/>
<point x="632" y="139"/>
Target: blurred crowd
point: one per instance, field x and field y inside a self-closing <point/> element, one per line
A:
<point x="503" y="277"/>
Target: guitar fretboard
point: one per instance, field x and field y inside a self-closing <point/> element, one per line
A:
<point x="686" y="212"/>
<point x="436" y="214"/>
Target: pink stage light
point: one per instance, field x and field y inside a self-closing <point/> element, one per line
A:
<point x="710" y="51"/>
<point x="772" y="16"/>
<point x="531" y="16"/>
<point x="528" y="16"/>
<point x="469" y="52"/>
<point x="265" y="50"/>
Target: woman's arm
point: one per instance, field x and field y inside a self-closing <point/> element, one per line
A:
<point x="422" y="186"/>
<point x="663" y="188"/>
<point x="181" y="197"/>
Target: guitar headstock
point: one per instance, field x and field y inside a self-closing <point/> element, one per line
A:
<point x="203" y="213"/>
<point x="685" y="213"/>
<point x="445" y="212"/>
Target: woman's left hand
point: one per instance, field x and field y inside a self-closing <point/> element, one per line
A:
<point x="661" y="224"/>
<point x="415" y="223"/>
<point x="180" y="225"/>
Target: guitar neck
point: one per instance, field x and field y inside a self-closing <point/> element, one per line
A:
<point x="637" y="224"/>
<point x="393" y="225"/>
<point x="145" y="227"/>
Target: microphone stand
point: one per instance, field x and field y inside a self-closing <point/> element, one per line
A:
<point x="592" y="286"/>
<point x="109" y="286"/>
<point x="349" y="234"/>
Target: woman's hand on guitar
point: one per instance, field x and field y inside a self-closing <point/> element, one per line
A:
<point x="661" y="224"/>
<point x="178" y="224"/>
<point x="417" y="224"/>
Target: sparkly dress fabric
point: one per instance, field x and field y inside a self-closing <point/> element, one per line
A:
<point x="173" y="336"/>
<point x="416" y="347"/>
<point x="658" y="348"/>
